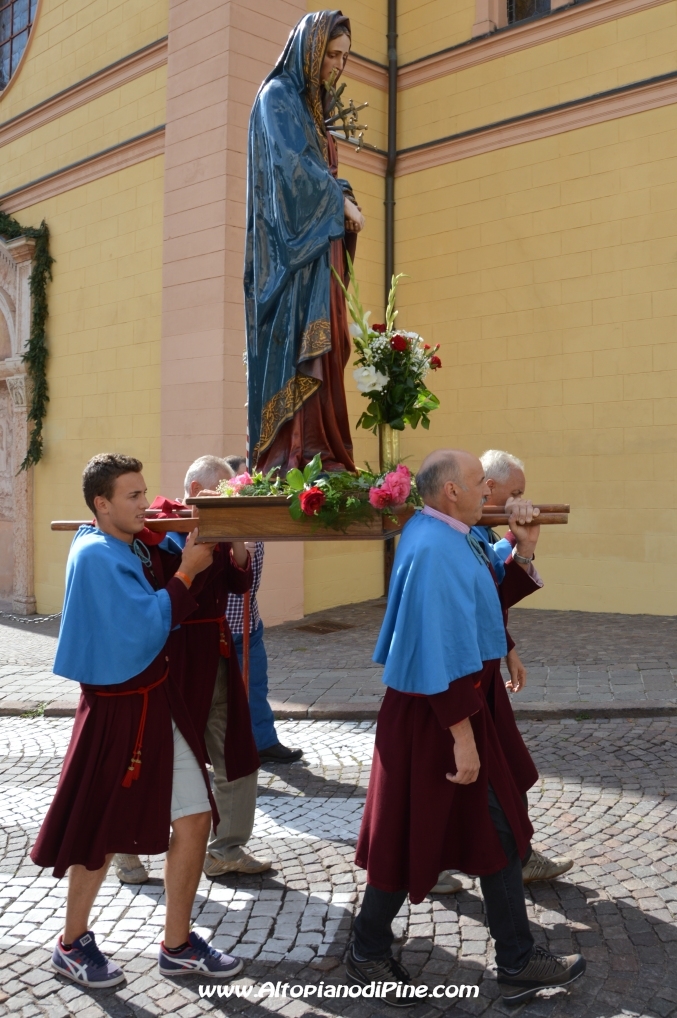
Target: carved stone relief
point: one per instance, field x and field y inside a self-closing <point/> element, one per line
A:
<point x="16" y="488"/>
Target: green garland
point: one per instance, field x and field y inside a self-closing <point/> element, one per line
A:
<point x="36" y="354"/>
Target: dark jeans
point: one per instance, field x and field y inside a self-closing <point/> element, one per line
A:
<point x="503" y="899"/>
<point x="372" y="930"/>
<point x="504" y="902"/>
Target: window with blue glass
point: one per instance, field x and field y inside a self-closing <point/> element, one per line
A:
<point x="16" y="20"/>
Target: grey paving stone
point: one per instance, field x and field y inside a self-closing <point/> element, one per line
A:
<point x="607" y="796"/>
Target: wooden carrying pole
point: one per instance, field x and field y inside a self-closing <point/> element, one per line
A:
<point x="184" y="525"/>
<point x="548" y="513"/>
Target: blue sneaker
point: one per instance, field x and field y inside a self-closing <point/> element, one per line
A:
<point x="198" y="959"/>
<point x="85" y="964"/>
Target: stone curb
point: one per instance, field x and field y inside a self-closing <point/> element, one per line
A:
<point x="362" y="712"/>
<point x="530" y="712"/>
<point x="55" y="709"/>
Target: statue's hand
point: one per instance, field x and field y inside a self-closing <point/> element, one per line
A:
<point x="353" y="217"/>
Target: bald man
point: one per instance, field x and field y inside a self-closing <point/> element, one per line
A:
<point x="450" y="769"/>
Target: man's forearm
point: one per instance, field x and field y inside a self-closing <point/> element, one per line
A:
<point x="465" y="754"/>
<point x="240" y="554"/>
<point x="462" y="732"/>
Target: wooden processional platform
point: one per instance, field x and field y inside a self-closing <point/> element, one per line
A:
<point x="267" y="518"/>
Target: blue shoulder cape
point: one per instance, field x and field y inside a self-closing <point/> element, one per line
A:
<point x="294" y="211"/>
<point x="114" y="624"/>
<point x="502" y="547"/>
<point x="444" y="617"/>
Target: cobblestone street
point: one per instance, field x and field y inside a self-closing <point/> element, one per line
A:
<point x="606" y="796"/>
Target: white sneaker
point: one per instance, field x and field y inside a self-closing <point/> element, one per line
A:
<point x="129" y="869"/>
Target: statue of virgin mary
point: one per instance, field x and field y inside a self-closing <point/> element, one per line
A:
<point x="301" y="219"/>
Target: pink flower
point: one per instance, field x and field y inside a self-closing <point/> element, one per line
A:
<point x="394" y="489"/>
<point x="380" y="498"/>
<point x="397" y="484"/>
<point x="234" y="484"/>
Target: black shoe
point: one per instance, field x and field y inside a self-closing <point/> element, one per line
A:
<point x="387" y="970"/>
<point x="280" y="754"/>
<point x="541" y="971"/>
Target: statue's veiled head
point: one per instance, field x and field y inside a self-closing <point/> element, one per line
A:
<point x="319" y="44"/>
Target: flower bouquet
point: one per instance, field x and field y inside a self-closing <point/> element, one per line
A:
<point x="391" y="365"/>
<point x="335" y="500"/>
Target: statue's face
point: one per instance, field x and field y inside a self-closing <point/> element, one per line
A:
<point x="335" y="57"/>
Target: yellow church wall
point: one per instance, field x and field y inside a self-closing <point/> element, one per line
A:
<point x="353" y="571"/>
<point x="72" y="39"/>
<point x="617" y="53"/>
<point x="432" y="25"/>
<point x="104" y="338"/>
<point x="547" y="272"/>
<point x="110" y="119"/>
<point x="368" y="24"/>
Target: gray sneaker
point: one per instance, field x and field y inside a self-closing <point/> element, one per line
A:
<point x="543" y="970"/>
<point x="243" y="863"/>
<point x="447" y="883"/>
<point x="387" y="970"/>
<point x="129" y="869"/>
<point x="540" y="867"/>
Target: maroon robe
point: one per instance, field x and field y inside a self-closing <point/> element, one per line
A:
<point x="416" y="823"/>
<point x="197" y="661"/>
<point x="322" y="424"/>
<point x="197" y="647"/>
<point x="92" y="814"/>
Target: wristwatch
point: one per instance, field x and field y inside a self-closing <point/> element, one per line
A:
<point x="522" y="559"/>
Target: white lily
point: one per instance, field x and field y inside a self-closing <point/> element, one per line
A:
<point x="368" y="379"/>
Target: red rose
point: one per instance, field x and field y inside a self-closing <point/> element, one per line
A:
<point x="378" y="328"/>
<point x="426" y="346"/>
<point x="399" y="343"/>
<point x="311" y="500"/>
<point x="435" y="363"/>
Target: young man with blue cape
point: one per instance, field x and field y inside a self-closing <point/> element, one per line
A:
<point x="135" y="764"/>
<point x="450" y="769"/>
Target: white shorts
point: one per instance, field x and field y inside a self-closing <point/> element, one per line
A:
<point x="189" y="792"/>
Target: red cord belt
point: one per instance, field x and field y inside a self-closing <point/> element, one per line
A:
<point x="134" y="768"/>
<point x="224" y="646"/>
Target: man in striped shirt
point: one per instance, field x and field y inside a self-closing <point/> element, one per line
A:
<point x="263" y="722"/>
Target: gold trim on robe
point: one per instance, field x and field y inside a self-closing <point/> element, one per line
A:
<point x="282" y="407"/>
<point x="316" y="340"/>
<point x="312" y="66"/>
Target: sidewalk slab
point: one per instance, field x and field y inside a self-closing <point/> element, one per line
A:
<point x="600" y="664"/>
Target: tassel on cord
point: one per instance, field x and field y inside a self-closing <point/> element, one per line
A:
<point x="134" y="770"/>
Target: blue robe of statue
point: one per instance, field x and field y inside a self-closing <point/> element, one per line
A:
<point x="294" y="212"/>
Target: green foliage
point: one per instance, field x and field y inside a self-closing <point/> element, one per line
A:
<point x="36" y="353"/>
<point x="345" y="498"/>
